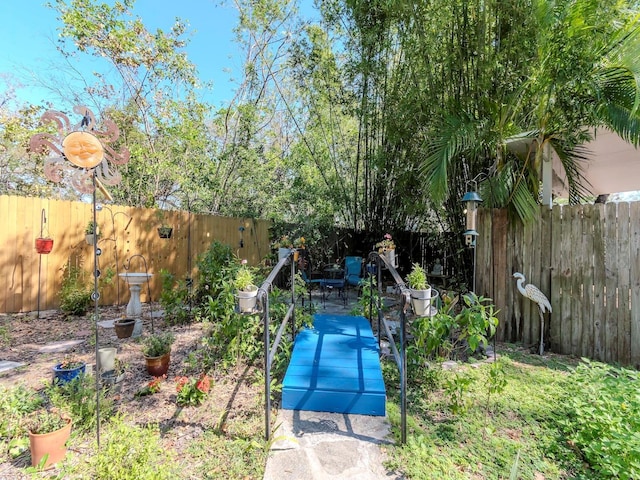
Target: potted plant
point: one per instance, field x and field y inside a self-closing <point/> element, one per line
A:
<point x="157" y="352"/>
<point x="44" y="245"/>
<point x="298" y="244"/>
<point x="91" y="232"/>
<point x="112" y="379"/>
<point x="420" y="290"/>
<point x="246" y="291"/>
<point x="164" y="230"/>
<point x="387" y="247"/>
<point x="284" y="247"/>
<point x="124" y="327"/>
<point x="49" y="431"/>
<point x="68" y="369"/>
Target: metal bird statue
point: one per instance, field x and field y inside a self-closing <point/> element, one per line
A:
<point x="533" y="293"/>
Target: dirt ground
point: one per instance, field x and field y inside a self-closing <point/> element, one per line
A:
<point x="22" y="337"/>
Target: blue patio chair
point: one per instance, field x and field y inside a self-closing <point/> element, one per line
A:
<point x="353" y="271"/>
<point x="310" y="283"/>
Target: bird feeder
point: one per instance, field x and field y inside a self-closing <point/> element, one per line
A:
<point x="471" y="200"/>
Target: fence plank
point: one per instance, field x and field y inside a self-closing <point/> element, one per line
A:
<point x="565" y="281"/>
<point x="599" y="280"/>
<point x="611" y="269"/>
<point x="634" y="252"/>
<point x="624" y="313"/>
<point x="586" y="276"/>
<point x="576" y="280"/>
<point x="555" y="323"/>
<point x="501" y="273"/>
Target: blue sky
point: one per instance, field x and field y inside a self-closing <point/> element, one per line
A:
<point x="29" y="32"/>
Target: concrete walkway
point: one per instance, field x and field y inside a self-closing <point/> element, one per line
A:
<point x="328" y="446"/>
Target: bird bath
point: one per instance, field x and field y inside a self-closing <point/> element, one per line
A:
<point x="134" y="307"/>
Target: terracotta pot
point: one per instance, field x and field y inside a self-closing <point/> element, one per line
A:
<point x="51" y="444"/>
<point x="124" y="327"/>
<point x="158" y="366"/>
<point x="44" y="245"/>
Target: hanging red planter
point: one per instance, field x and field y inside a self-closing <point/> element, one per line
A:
<point x="44" y="245"/>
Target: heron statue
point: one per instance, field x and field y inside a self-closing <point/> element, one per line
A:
<point x="534" y="294"/>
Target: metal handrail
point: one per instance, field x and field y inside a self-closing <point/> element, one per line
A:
<point x="400" y="357"/>
<point x="270" y="351"/>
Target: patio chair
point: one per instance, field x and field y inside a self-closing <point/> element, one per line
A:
<point x="353" y="271"/>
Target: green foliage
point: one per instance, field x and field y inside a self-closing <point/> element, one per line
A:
<point x="496" y="379"/>
<point x="45" y="421"/>
<point x="368" y="299"/>
<point x="473" y="443"/>
<point x="158" y="344"/>
<point x="477" y="321"/>
<point x="129" y="452"/>
<point x="215" y="267"/>
<point x="417" y="278"/>
<point x="243" y="279"/>
<point x="78" y="397"/>
<point x="457" y="389"/>
<point x="604" y="418"/>
<point x="192" y="391"/>
<point x="445" y="335"/>
<point x="75" y="293"/>
<point x="15" y="403"/>
<point x="90" y="228"/>
<point x="174" y="298"/>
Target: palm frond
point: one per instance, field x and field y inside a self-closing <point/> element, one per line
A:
<point x="454" y="137"/>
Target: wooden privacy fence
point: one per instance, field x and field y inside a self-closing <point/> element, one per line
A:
<point x="124" y="232"/>
<point x="586" y="259"/>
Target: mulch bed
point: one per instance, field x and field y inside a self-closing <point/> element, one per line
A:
<point x="22" y="335"/>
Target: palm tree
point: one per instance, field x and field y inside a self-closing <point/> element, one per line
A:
<point x="582" y="74"/>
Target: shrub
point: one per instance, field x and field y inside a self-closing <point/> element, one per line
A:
<point x="173" y="298"/>
<point x="215" y="267"/>
<point x="78" y="397"/>
<point x="158" y="344"/>
<point x="75" y="294"/>
<point x="604" y="418"/>
<point x="131" y="453"/>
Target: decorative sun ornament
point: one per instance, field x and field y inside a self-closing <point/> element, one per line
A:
<point x="80" y="151"/>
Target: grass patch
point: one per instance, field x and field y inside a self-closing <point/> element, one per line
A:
<point x="482" y="422"/>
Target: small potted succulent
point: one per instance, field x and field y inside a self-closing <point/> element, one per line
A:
<point x="49" y="431"/>
<point x="91" y="232"/>
<point x="246" y="291"/>
<point x="157" y="352"/>
<point x="67" y="370"/>
<point x="420" y="290"/>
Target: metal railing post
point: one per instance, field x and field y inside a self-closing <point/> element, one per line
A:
<point x="267" y="365"/>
